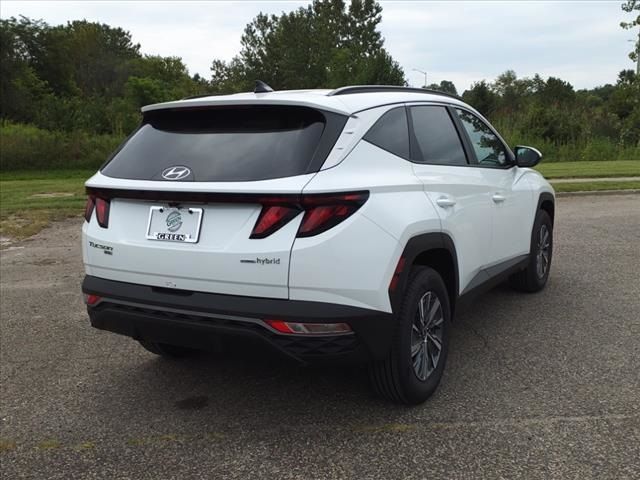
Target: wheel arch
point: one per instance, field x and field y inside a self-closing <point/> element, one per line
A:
<point x="435" y="250"/>
<point x="546" y="202"/>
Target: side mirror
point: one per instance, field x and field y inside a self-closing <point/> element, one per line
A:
<point x="527" y="156"/>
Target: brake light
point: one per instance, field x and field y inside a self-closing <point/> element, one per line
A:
<point x="272" y="218"/>
<point x="102" y="211"/>
<point x="88" y="209"/>
<point x="321" y="212"/>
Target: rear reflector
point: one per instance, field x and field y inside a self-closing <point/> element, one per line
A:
<point x="309" y="328"/>
<point x="91" y="299"/>
<point x="396" y="275"/>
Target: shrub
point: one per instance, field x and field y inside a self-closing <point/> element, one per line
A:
<point x="25" y="147"/>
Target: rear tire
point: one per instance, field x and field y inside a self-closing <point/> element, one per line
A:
<point x="413" y="368"/>
<point x="535" y="276"/>
<point x="165" y="350"/>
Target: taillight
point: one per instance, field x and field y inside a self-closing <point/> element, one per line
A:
<point x="102" y="212"/>
<point x="88" y="209"/>
<point x="273" y="217"/>
<point x="321" y="212"/>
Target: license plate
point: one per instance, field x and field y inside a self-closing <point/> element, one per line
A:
<point x="174" y="224"/>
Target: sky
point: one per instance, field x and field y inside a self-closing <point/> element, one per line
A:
<point x="461" y="41"/>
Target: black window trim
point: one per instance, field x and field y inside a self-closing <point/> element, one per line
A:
<point x="413" y="141"/>
<point x="467" y="140"/>
<point x="396" y="107"/>
<point x="467" y="146"/>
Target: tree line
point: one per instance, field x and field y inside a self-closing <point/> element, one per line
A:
<point x="79" y="87"/>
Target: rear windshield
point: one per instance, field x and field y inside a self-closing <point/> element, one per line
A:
<point x="243" y="143"/>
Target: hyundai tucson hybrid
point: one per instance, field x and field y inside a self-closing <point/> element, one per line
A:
<point x="343" y="225"/>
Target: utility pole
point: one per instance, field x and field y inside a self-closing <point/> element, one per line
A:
<point x="425" y="76"/>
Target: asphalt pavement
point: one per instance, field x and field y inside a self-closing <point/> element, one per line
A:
<point x="537" y="386"/>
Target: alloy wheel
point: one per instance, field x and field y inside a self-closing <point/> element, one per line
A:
<point x="543" y="251"/>
<point x="426" y="335"/>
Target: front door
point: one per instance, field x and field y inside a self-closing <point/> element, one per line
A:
<point x="510" y="193"/>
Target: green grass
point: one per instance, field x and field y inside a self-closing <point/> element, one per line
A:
<point x="24" y="210"/>
<point x="614" y="168"/>
<point x="594" y="186"/>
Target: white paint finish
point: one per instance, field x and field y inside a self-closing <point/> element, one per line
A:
<point x="470" y="221"/>
<point x="353" y="263"/>
<point x="211" y="265"/>
<point x="350" y="264"/>
<point x="513" y="216"/>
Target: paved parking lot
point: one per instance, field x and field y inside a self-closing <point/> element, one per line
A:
<point x="537" y="386"/>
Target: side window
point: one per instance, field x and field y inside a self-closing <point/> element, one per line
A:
<point x="391" y="132"/>
<point x="436" y="137"/>
<point x="490" y="151"/>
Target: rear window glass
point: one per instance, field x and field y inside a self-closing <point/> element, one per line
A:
<point x="391" y="132"/>
<point x="228" y="144"/>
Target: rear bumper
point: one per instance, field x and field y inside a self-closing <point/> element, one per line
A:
<point x="201" y="320"/>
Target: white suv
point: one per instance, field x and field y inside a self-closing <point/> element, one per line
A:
<point x="339" y="224"/>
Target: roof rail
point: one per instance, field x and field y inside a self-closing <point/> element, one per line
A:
<point x="386" y="88"/>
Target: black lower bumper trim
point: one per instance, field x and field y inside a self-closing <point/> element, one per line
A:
<point x="200" y="320"/>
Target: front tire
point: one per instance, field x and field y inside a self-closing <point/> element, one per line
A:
<point x="414" y="366"/>
<point x="534" y="277"/>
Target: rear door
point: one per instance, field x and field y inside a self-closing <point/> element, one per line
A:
<point x="203" y="200"/>
<point x="459" y="191"/>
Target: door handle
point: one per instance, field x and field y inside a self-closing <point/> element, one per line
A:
<point x="497" y="198"/>
<point x="445" y="202"/>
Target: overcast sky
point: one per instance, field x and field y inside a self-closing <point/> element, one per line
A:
<point x="462" y="41"/>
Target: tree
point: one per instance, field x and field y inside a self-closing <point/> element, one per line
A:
<point x="481" y="97"/>
<point x="556" y="92"/>
<point x="322" y="45"/>
<point x="445" y="86"/>
<point x="630" y="6"/>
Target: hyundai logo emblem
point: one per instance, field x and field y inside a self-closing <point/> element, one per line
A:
<point x="176" y="173"/>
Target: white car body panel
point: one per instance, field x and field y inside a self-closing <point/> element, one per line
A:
<point x="211" y="265"/>
<point x="469" y="221"/>
<point x="512" y="215"/>
<point x="353" y="262"/>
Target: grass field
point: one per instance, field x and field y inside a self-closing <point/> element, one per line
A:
<point x="617" y="168"/>
<point x="29" y="200"/>
<point x="595" y="186"/>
